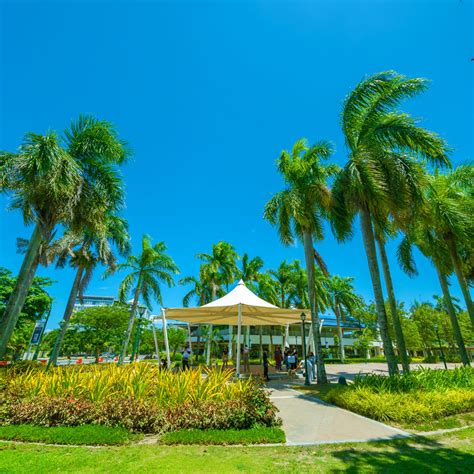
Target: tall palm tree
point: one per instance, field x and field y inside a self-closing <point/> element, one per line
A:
<point x="450" y="207"/>
<point x="250" y="270"/>
<point x="267" y="288"/>
<point x="300" y="209"/>
<point x="47" y="180"/>
<point x="382" y="172"/>
<point x="199" y="290"/>
<point x="219" y="268"/>
<point x="147" y="270"/>
<point x="343" y="300"/>
<point x="283" y="284"/>
<point x="432" y="247"/>
<point x="84" y="252"/>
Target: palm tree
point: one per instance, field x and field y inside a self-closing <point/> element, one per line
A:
<point x="267" y="288"/>
<point x="85" y="252"/>
<point x="283" y="284"/>
<point x="146" y="271"/>
<point x="219" y="268"/>
<point x="450" y="207"/>
<point x="382" y="173"/>
<point x="432" y="247"/>
<point x="199" y="291"/>
<point x="47" y="180"/>
<point x="250" y="270"/>
<point x="300" y="209"/>
<point x="343" y="299"/>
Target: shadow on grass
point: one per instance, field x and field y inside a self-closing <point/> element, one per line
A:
<point x="402" y="456"/>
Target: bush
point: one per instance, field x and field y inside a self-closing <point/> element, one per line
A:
<point x="420" y="396"/>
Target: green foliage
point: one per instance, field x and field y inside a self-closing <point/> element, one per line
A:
<point x="37" y="305"/>
<point x="420" y="396"/>
<point x="255" y="435"/>
<point x="77" y="435"/>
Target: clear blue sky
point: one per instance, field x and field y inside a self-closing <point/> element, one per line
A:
<point x="209" y="93"/>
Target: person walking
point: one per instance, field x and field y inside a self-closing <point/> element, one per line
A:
<point x="225" y="358"/>
<point x="265" y="366"/>
<point x="278" y="358"/>
<point x="312" y="359"/>
<point x="245" y="358"/>
<point x="185" y="360"/>
<point x="285" y="359"/>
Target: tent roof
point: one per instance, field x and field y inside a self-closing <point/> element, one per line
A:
<point x="254" y="310"/>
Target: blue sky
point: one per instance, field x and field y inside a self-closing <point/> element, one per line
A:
<point x="209" y="93"/>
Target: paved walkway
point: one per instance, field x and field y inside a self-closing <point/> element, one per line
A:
<point x="308" y="420"/>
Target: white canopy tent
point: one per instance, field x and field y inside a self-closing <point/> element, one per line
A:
<point x="239" y="307"/>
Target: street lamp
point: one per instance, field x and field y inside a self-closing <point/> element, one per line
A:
<point x="306" y="373"/>
<point x="440" y="347"/>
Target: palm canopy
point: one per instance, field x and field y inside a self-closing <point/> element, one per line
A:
<point x="383" y="172"/>
<point x="147" y="270"/>
<point x="250" y="269"/>
<point x="220" y="266"/>
<point x="341" y="293"/>
<point x="306" y="199"/>
<point x="199" y="290"/>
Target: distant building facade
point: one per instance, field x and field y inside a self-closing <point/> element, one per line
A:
<point x="90" y="301"/>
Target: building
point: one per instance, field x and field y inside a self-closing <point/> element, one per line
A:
<point x="91" y="301"/>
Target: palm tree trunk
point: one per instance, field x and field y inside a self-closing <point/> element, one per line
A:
<point x="53" y="358"/>
<point x="131" y="321"/>
<point x="452" y="316"/>
<point x="369" y="244"/>
<point x="460" y="276"/>
<point x="20" y="291"/>
<point x="342" y="353"/>
<point x="402" y="349"/>
<point x="309" y="257"/>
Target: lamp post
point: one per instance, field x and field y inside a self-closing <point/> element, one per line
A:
<point x="306" y="373"/>
<point x="440" y="347"/>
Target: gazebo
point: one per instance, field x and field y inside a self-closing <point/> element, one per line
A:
<point x="238" y="307"/>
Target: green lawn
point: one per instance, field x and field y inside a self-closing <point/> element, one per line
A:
<point x="452" y="452"/>
<point x="256" y="435"/>
<point x="85" y="434"/>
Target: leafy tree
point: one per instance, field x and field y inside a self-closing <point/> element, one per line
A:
<point x="146" y="271"/>
<point x="382" y="171"/>
<point x="300" y="210"/>
<point x="36" y="306"/>
<point x="283" y="284"/>
<point x="49" y="179"/>
<point x="85" y="251"/>
<point x="251" y="270"/>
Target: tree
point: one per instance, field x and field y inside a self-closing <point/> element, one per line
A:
<point x="101" y="328"/>
<point x="47" y="180"/>
<point x="199" y="291"/>
<point x="284" y="283"/>
<point x="250" y="270"/>
<point x="93" y="248"/>
<point x="343" y="300"/>
<point x="177" y="339"/>
<point x="382" y="172"/>
<point x="219" y="268"/>
<point x="36" y="306"/>
<point x="300" y="209"/>
<point x="429" y="244"/>
<point x="146" y="271"/>
<point x="449" y="210"/>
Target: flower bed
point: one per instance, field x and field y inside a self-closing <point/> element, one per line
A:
<point x="421" y="396"/>
<point x="139" y="397"/>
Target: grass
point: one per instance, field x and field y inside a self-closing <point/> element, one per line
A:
<point x="256" y="435"/>
<point x="78" y="435"/>
<point x="452" y="452"/>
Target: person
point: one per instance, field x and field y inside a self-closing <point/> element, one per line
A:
<point x="285" y="359"/>
<point x="291" y="363"/>
<point x="225" y="357"/>
<point x="278" y="358"/>
<point x="185" y="360"/>
<point x="265" y="366"/>
<point x="245" y="357"/>
<point x="312" y="359"/>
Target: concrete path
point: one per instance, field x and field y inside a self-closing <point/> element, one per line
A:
<point x="308" y="420"/>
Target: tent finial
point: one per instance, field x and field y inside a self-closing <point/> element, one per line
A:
<point x="241" y="282"/>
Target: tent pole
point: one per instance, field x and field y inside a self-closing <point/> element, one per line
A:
<point x="231" y="331"/>
<point x="157" y="349"/>
<point x="287" y="335"/>
<point x="190" y="344"/>
<point x="165" y="334"/>
<point x="239" y="331"/>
